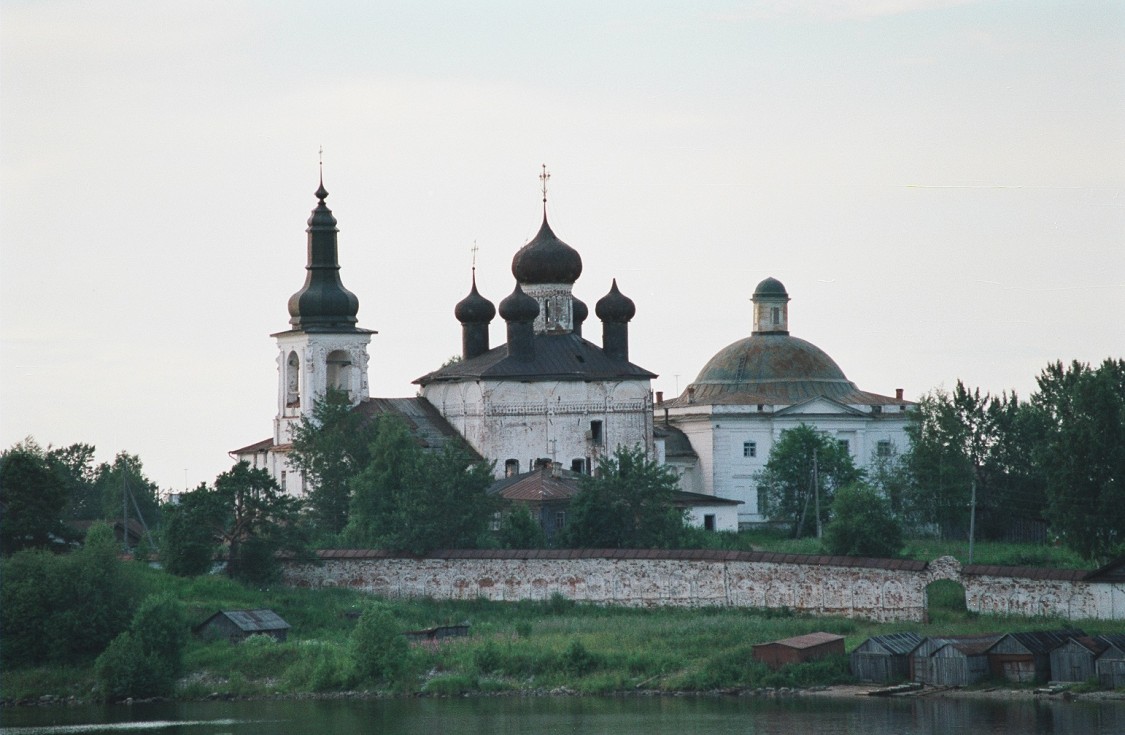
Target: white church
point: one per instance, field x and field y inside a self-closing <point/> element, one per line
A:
<point x="550" y="397"/>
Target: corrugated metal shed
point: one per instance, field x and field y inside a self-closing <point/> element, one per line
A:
<point x="884" y="658"/>
<point x="801" y="648"/>
<point x="234" y="625"/>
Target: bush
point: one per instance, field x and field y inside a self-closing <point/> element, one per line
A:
<point x="377" y="646"/>
<point x="577" y="660"/>
<point x="125" y="669"/>
<point x="862" y="524"/>
<point x="161" y="628"/>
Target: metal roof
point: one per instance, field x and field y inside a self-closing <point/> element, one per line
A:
<point x="539" y="485"/>
<point x="899" y="643"/>
<point x="809" y="640"/>
<point x="253" y="621"/>
<point x="556" y="357"/>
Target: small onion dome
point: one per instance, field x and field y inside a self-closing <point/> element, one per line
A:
<point x="474" y="308"/>
<point x="519" y="307"/>
<point x="546" y="259"/>
<point x="771" y="287"/>
<point x="615" y="306"/>
<point x="580" y="310"/>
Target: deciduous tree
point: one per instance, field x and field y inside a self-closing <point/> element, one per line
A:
<point x="862" y="524"/>
<point x="33" y="493"/>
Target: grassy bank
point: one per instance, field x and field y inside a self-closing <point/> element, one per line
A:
<point x="512" y="647"/>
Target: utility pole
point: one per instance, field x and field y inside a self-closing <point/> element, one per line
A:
<point x="816" y="492"/>
<point x="972" y="515"/>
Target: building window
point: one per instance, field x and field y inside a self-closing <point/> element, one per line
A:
<point x="709" y="522"/>
<point x="494" y="523"/>
<point x="763" y="506"/>
<point x="560" y="519"/>
<point x="511" y="467"/>
<point x="283" y="480"/>
<point x="578" y="465"/>
<point x="596" y="435"/>
<point x="884" y="448"/>
<point x="775" y="315"/>
<point x="749" y="449"/>
<point x="845" y="445"/>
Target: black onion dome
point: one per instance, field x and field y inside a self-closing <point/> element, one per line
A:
<point x="580" y="310"/>
<point x="519" y="307"/>
<point x="474" y="308"/>
<point x="546" y="259"/>
<point x="615" y="306"/>
<point x="323" y="302"/>
<point x="771" y="287"/>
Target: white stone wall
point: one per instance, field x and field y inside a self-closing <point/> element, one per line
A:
<point x="505" y="420"/>
<point x="874" y="589"/>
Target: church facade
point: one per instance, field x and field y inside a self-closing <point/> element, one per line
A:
<point x="756" y="388"/>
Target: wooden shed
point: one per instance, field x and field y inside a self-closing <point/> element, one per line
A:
<point x="1110" y="663"/>
<point x="884" y="658"/>
<point x="236" y="625"/>
<point x="921" y="669"/>
<point x="802" y="648"/>
<point x="958" y="664"/>
<point x="1026" y="657"/>
<point x="1074" y="660"/>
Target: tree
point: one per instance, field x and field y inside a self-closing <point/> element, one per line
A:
<point x="331" y="447"/>
<point x="519" y="530"/>
<point x="1083" y="455"/>
<point x="377" y="646"/>
<point x="246" y="513"/>
<point x="76" y="463"/>
<point x="789" y="489"/>
<point x="629" y="503"/>
<point x="33" y="493"/>
<point x="145" y="660"/>
<point x="862" y="524"/>
<point x="189" y="538"/>
<point x="125" y="479"/>
<point x="408" y="499"/>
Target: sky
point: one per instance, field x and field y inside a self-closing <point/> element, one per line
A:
<point x="940" y="185"/>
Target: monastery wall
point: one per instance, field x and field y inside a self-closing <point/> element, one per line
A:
<point x="874" y="589"/>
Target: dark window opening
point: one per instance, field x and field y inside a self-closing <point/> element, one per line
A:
<point x="511" y="467"/>
<point x="578" y="465"/>
<point x="596" y="435"/>
<point x="709" y="522"/>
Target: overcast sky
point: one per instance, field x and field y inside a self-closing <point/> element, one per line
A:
<point x="939" y="185"/>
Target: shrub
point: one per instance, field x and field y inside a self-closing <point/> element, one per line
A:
<point x="487" y="658"/>
<point x="125" y="669"/>
<point x="577" y="660"/>
<point x="377" y="645"/>
<point x="161" y="629"/>
<point x="862" y="524"/>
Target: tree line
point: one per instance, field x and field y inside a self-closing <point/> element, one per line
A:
<point x="977" y="464"/>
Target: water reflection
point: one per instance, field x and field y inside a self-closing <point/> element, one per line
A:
<point x="603" y="716"/>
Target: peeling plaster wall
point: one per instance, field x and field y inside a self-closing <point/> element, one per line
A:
<point x="874" y="589"/>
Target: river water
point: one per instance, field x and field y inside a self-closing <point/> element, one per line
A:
<point x="580" y="716"/>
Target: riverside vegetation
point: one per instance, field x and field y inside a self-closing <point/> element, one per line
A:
<point x="346" y="641"/>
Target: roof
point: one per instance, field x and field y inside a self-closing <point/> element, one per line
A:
<point x="1114" y="571"/>
<point x="428" y="427"/>
<point x="1043" y="641"/>
<point x="251" y="621"/>
<point x="546" y="259"/>
<point x="773" y="368"/>
<point x="539" y="485"/>
<point x="556" y="357"/>
<point x="897" y="643"/>
<point x="809" y="640"/>
<point x="676" y="443"/>
<point x="685" y="499"/>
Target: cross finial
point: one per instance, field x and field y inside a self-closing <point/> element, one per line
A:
<point x="320" y="156"/>
<point x="474" y="250"/>
<point x="543" y="178"/>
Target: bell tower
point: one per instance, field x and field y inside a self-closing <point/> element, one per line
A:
<point x="323" y="349"/>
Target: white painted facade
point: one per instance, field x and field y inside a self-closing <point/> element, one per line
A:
<point x="573" y="423"/>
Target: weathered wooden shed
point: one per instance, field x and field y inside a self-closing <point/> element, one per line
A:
<point x="236" y="625"/>
<point x="958" y="664"/>
<point x="1074" y="660"/>
<point x="920" y="667"/>
<point x="1110" y="663"/>
<point x="884" y="658"/>
<point x="801" y="648"/>
<point x="1026" y="657"/>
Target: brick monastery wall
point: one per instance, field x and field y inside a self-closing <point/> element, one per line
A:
<point x="875" y="589"/>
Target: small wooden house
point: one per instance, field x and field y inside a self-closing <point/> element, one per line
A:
<point x="921" y="669"/>
<point x="1110" y="663"/>
<point x="1026" y="657"/>
<point x="884" y="658"/>
<point x="802" y="648"/>
<point x="1074" y="660"/>
<point x="237" y="625"/>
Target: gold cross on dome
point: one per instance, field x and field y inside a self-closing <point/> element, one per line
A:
<point x="543" y="177"/>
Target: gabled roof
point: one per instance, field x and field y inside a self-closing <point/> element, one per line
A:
<point x="542" y="485"/>
<point x="896" y="643"/>
<point x="557" y="357"/>
<point x="250" y="621"/>
<point x="834" y="406"/>
<point x="1111" y="572"/>
<point x="1043" y="641"/>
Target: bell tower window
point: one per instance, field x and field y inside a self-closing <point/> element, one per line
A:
<point x="292" y="380"/>
<point x="339" y="371"/>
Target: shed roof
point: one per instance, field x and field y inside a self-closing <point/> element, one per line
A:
<point x="809" y="640"/>
<point x="1042" y="641"/>
<point x="895" y="643"/>
<point x="251" y="621"/>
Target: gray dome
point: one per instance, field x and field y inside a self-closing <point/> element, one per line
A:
<point x="519" y="307"/>
<point x="323" y="304"/>
<point x="474" y="308"/>
<point x="770" y="368"/>
<point x="771" y="287"/>
<point x="615" y="306"/>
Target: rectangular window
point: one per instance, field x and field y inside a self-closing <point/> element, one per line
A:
<point x="763" y="506"/>
<point x="845" y="445"/>
<point x="284" y="475"/>
<point x="596" y="433"/>
<point x="884" y="448"/>
<point x="578" y="465"/>
<point x="749" y="449"/>
<point x="775" y="314"/>
<point x="560" y="519"/>
<point x="709" y="522"/>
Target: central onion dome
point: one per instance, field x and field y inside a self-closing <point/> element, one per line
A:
<point x="546" y="259"/>
<point x="323" y="303"/>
